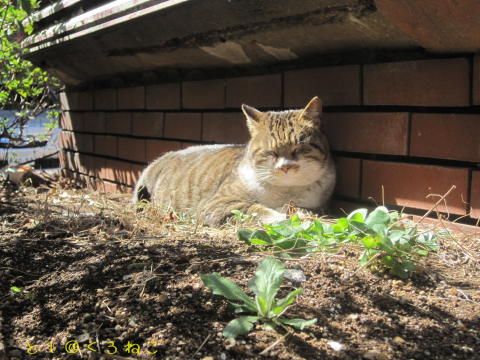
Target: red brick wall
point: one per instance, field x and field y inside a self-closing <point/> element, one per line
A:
<point x="400" y="130"/>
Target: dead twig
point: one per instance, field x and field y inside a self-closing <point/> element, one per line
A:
<point x="278" y="341"/>
<point x="201" y="345"/>
<point x="442" y="198"/>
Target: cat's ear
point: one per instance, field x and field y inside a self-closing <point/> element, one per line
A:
<point x="253" y="117"/>
<point x="313" y="110"/>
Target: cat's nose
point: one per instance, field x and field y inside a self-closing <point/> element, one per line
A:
<point x="286" y="167"/>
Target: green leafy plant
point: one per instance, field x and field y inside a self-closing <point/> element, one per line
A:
<point x="240" y="217"/>
<point x="294" y="237"/>
<point x="25" y="89"/>
<point x="19" y="292"/>
<point x="266" y="307"/>
<point x="387" y="240"/>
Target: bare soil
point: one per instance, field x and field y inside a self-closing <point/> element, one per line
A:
<point x="99" y="280"/>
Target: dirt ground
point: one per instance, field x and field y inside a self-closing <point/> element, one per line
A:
<point x="95" y="279"/>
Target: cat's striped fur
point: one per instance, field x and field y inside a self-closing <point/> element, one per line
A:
<point x="287" y="160"/>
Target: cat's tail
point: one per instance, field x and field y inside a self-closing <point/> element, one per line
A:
<point x="141" y="191"/>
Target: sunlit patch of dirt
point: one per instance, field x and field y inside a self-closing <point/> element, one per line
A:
<point x="96" y="276"/>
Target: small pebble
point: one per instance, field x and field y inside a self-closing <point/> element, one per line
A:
<point x="335" y="345"/>
<point x="294" y="275"/>
<point x="398" y="340"/>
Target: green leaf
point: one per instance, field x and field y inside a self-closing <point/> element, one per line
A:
<point x="262" y="236"/>
<point x="371" y="242"/>
<point x="394" y="216"/>
<point x="399" y="237"/>
<point x="239" y="308"/>
<point x="428" y="240"/>
<point x="291" y="243"/>
<point x="283" y="303"/>
<point x="270" y="325"/>
<point x="267" y="280"/>
<point x="422" y="252"/>
<point x="16" y="289"/>
<point x="358" y="215"/>
<point x="260" y="242"/>
<point x="380" y="229"/>
<point x="340" y="226"/>
<point x="360" y="228"/>
<point x="262" y="306"/>
<point x="239" y="326"/>
<point x="378" y="216"/>
<point x="244" y="235"/>
<point x="227" y="288"/>
<point x="298" y="323"/>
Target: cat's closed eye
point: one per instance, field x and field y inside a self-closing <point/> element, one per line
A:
<point x="301" y="151"/>
<point x="271" y="154"/>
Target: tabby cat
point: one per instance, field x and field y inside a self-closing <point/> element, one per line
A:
<point x="287" y="160"/>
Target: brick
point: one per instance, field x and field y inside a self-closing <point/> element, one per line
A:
<point x="118" y="171"/>
<point x="259" y="91"/>
<point x="71" y="121"/>
<point x="71" y="160"/>
<point x="131" y="149"/>
<point x="147" y="124"/>
<point x="156" y="148"/>
<point x="76" y="100"/>
<point x="348" y="177"/>
<point x="446" y="136"/>
<point x="83" y="142"/>
<point x="94" y="122"/>
<point x="335" y="85"/>
<point x="65" y="140"/>
<point x="105" y="99"/>
<point x="98" y="166"/>
<point x="476" y="80"/>
<point x="163" y="97"/>
<point x="475" y="195"/>
<point x="84" y="180"/>
<point x="208" y="94"/>
<point x="442" y="82"/>
<point x="82" y="163"/>
<point x="377" y="133"/>
<point x="62" y="158"/>
<point x="185" y="145"/>
<point x="85" y="163"/>
<point x="135" y="174"/>
<point x="185" y="126"/>
<point x="409" y="184"/>
<point x="109" y="187"/>
<point x="119" y="123"/>
<point x="76" y="162"/>
<point x="106" y="145"/>
<point x="225" y="128"/>
<point x="66" y="158"/>
<point x="131" y="98"/>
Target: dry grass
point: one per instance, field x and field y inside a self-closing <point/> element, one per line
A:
<point x="79" y="215"/>
<point x="86" y="218"/>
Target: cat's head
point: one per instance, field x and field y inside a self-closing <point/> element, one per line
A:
<point x="287" y="148"/>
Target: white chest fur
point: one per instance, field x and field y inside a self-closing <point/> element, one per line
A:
<point x="310" y="196"/>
